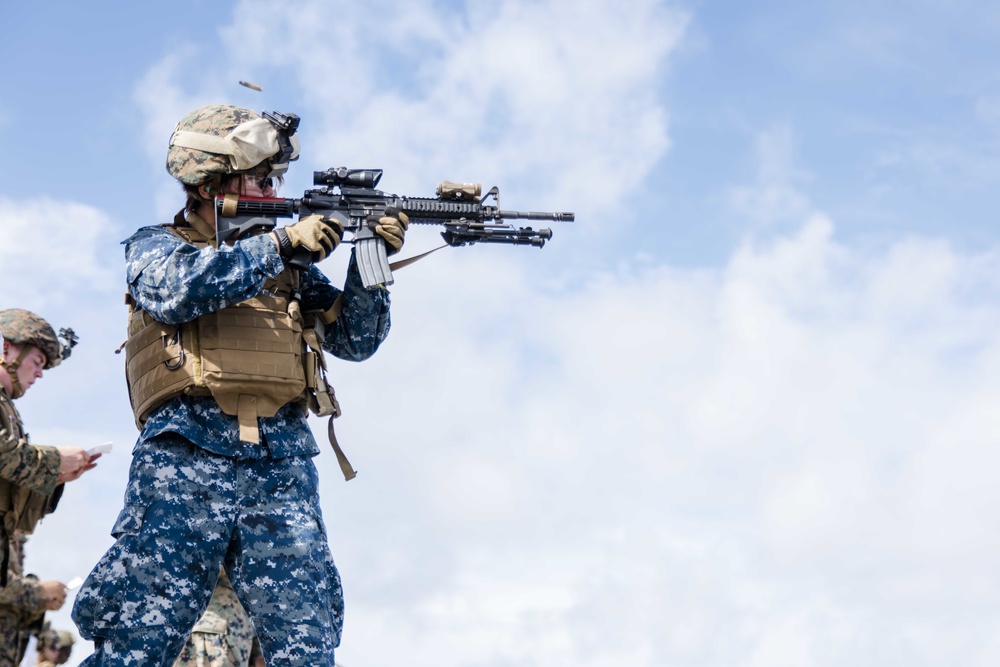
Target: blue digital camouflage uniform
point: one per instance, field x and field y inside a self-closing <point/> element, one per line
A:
<point x="198" y="497"/>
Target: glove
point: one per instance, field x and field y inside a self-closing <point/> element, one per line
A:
<point x="391" y="227"/>
<point x="317" y="234"/>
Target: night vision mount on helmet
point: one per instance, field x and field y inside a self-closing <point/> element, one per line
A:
<point x="221" y="139"/>
<point x="26" y="328"/>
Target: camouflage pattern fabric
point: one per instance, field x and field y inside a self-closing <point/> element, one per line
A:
<point x="175" y="282"/>
<point x="31" y="466"/>
<point x="223" y="637"/>
<point x="21" y="607"/>
<point x="187" y="511"/>
<point x="24" y="327"/>
<point x="59" y="640"/>
<point x="198" y="499"/>
<point x="195" y="167"/>
<point x="36" y="468"/>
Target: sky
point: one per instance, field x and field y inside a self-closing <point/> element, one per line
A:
<point x="741" y="412"/>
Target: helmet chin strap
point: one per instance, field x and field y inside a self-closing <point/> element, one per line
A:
<point x="17" y="391"/>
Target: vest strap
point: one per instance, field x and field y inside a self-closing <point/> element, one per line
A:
<point x="330" y="315"/>
<point x="345" y="465"/>
<point x="246" y="414"/>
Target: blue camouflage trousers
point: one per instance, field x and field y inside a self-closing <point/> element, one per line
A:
<point x="188" y="511"/>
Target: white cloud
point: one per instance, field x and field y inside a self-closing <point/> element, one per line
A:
<point x="658" y="466"/>
<point x="776" y="196"/>
<point x="163" y="100"/>
<point x="37" y="231"/>
<point x="554" y="98"/>
<point x="709" y="459"/>
<point x="780" y="460"/>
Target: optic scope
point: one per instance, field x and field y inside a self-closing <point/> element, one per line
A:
<point x="359" y="178"/>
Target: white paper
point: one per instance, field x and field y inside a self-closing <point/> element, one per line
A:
<point x="75" y="582"/>
<point x="100" y="449"/>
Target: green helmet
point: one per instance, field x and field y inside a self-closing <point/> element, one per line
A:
<point x="25" y="328"/>
<point x="222" y="139"/>
<point x="57" y="639"/>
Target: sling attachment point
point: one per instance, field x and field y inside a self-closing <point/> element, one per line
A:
<point x="229" y="203"/>
<point x="174" y="340"/>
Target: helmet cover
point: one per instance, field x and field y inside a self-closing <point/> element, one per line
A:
<point x="25" y="328"/>
<point x="222" y="139"/>
<point x="57" y="639"/>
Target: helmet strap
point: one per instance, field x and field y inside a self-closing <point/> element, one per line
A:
<point x="11" y="368"/>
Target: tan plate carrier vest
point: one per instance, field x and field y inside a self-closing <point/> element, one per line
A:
<point x="252" y="358"/>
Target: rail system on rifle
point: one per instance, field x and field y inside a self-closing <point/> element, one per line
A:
<point x="349" y="197"/>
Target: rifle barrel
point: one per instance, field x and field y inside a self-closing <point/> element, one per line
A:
<point x="532" y="215"/>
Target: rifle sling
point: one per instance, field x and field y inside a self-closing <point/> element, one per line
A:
<point x="345" y="465"/>
<point x="329" y="316"/>
<point x="399" y="264"/>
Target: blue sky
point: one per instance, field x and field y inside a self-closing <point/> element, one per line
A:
<point x="741" y="412"/>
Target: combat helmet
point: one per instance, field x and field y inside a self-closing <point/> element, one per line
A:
<point x="220" y="139"/>
<point x="58" y="640"/>
<point x="25" y="328"/>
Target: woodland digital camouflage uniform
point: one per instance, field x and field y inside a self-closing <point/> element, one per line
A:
<point x="30" y="467"/>
<point x="223" y="636"/>
<point x="199" y="497"/>
<point x="21" y="464"/>
<point x="21" y="607"/>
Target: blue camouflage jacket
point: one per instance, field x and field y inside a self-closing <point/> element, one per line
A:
<point x="175" y="282"/>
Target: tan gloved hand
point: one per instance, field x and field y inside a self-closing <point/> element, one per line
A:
<point x="391" y="227"/>
<point x="318" y="234"/>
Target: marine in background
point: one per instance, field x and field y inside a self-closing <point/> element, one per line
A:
<point x="54" y="647"/>
<point x="223" y="636"/>
<point x="31" y="477"/>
